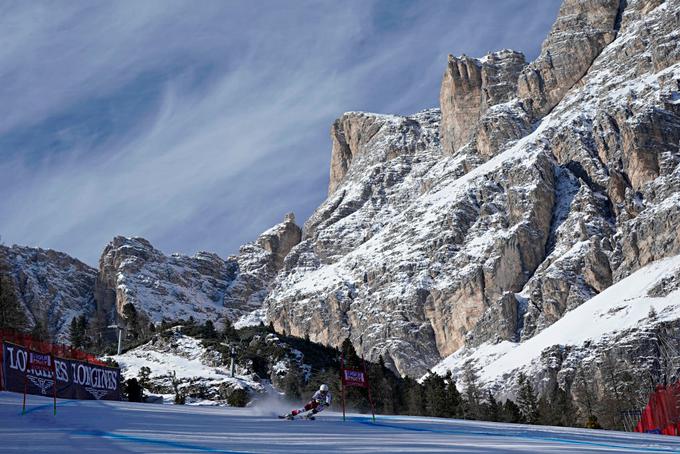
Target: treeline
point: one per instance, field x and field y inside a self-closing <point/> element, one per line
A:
<point x="439" y="396"/>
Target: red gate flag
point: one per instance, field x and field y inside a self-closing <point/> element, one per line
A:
<point x="39" y="361"/>
<point x="354" y="377"/>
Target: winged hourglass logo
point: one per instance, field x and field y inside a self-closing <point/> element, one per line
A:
<point x="97" y="393"/>
<point x="43" y="383"/>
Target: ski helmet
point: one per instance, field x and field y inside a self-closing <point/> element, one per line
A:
<point x="323" y="388"/>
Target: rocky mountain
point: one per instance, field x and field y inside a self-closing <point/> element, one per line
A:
<point x="205" y="286"/>
<point x="50" y="287"/>
<point x="54" y="288"/>
<point x="534" y="188"/>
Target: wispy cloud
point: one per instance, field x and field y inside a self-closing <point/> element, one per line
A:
<point x="198" y="125"/>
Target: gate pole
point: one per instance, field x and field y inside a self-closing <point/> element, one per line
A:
<point x="342" y="382"/>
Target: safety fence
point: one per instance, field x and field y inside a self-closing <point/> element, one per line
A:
<point x="662" y="413"/>
<point x="56" y="349"/>
<point x="32" y="366"/>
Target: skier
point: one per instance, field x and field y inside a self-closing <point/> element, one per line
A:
<point x="320" y="400"/>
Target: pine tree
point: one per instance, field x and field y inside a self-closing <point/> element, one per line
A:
<point x="98" y="327"/>
<point x="415" y="397"/>
<point x="229" y="332"/>
<point x="352" y="360"/>
<point x="454" y="401"/>
<point x="40" y="332"/>
<point x="511" y="412"/>
<point x="563" y="403"/>
<point x="526" y="400"/>
<point x="592" y="423"/>
<point x="382" y="387"/>
<point x="613" y="403"/>
<point x="76" y="333"/>
<point x="584" y="392"/>
<point x="493" y="409"/>
<point x="83" y="324"/>
<point x="292" y="382"/>
<point x="144" y="377"/>
<point x="133" y="390"/>
<point x="180" y="395"/>
<point x="209" y="331"/>
<point x="435" y="395"/>
<point x="472" y="408"/>
<point x="12" y="314"/>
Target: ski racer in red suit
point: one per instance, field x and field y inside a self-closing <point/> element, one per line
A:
<point x="320" y="401"/>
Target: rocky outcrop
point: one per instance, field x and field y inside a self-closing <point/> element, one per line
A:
<point x="581" y="31"/>
<point x="399" y="152"/>
<point x="258" y="263"/>
<point x="280" y="239"/>
<point x="616" y="347"/>
<point x="469" y="88"/>
<point x="180" y="363"/>
<point x="50" y="286"/>
<point x="356" y="133"/>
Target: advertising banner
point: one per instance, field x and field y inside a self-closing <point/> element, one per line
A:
<point x="33" y="371"/>
<point x="353" y="377"/>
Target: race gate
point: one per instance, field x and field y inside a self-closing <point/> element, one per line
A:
<point x="40" y="370"/>
<point x="357" y="378"/>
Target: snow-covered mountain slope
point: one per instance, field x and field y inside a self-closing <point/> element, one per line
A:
<point x="620" y="315"/>
<point x="106" y="426"/>
<point x="51" y="287"/>
<point x="567" y="182"/>
<point x="201" y="373"/>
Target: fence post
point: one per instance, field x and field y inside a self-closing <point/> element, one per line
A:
<point x="54" y="386"/>
<point x="368" y="387"/>
<point x="342" y="382"/>
<point x="2" y="359"/>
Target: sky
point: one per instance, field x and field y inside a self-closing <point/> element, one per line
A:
<point x="198" y="125"/>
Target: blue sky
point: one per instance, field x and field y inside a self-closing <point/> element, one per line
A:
<point x="198" y="125"/>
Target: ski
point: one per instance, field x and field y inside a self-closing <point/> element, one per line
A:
<point x="291" y="417"/>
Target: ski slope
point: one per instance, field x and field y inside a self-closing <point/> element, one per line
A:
<point x="99" y="426"/>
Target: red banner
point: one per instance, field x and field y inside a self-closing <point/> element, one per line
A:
<point x="662" y="413"/>
<point x="354" y="377"/>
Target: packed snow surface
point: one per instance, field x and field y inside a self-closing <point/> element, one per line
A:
<point x="103" y="426"/>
